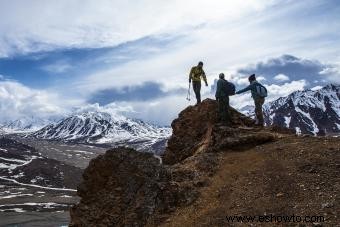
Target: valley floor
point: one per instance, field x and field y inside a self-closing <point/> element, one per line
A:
<point x="25" y="198"/>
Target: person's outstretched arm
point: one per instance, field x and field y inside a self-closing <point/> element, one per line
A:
<point x="244" y="90"/>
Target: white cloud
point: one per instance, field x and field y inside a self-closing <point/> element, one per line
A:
<point x="274" y="92"/>
<point x="58" y="67"/>
<point x="277" y="91"/>
<point x="316" y="88"/>
<point x="332" y="72"/>
<point x="281" y="77"/>
<point x="17" y="101"/>
<point x="160" y="111"/>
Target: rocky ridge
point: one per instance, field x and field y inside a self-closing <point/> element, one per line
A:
<point x="208" y="171"/>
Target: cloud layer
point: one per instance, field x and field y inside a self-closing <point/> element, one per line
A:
<point x="88" y="23"/>
<point x="291" y="68"/>
<point x="137" y="54"/>
<point x="17" y="101"/>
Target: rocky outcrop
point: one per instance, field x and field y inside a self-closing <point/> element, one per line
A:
<point x="127" y="188"/>
<point x="197" y="129"/>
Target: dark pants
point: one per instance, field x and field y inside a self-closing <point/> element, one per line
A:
<point x="223" y="109"/>
<point x="196" y="85"/>
<point x="258" y="110"/>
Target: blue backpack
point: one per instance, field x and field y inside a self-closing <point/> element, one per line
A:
<point x="261" y="90"/>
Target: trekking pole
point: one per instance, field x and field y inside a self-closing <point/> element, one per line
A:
<point x="188" y="95"/>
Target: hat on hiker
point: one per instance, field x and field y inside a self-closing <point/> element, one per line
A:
<point x="221" y="76"/>
<point x="200" y="63"/>
<point x="251" y="77"/>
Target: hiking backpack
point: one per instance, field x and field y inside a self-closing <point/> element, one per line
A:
<point x="231" y="89"/>
<point x="261" y="90"/>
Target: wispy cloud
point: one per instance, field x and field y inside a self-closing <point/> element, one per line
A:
<point x="60" y="66"/>
<point x="105" y="23"/>
<point x="144" y="92"/>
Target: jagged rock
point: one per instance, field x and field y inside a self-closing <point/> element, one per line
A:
<point x="127" y="188"/>
<point x="120" y="188"/>
<point x="197" y="130"/>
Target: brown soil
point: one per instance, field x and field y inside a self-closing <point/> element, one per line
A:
<point x="292" y="176"/>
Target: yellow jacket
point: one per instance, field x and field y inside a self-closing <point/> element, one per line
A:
<point x="196" y="74"/>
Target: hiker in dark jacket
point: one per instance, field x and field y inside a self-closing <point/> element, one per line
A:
<point x="196" y="75"/>
<point x="258" y="93"/>
<point x="223" y="91"/>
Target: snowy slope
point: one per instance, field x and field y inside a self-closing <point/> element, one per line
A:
<point x="308" y="112"/>
<point x="24" y="125"/>
<point x="248" y="110"/>
<point x="103" y="127"/>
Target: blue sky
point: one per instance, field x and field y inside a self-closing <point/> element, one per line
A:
<point x="56" y="56"/>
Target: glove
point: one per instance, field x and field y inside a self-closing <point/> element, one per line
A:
<point x="206" y="84"/>
<point x="189" y="80"/>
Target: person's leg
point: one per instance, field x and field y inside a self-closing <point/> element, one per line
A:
<point x="258" y="110"/>
<point x="196" y="85"/>
<point x="221" y="109"/>
<point x="227" y="113"/>
<point x="198" y="92"/>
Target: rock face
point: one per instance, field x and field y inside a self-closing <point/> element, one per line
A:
<point x="120" y="188"/>
<point x="127" y="188"/>
<point x="197" y="130"/>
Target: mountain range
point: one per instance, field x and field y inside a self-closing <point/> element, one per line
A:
<point x="314" y="112"/>
<point x="308" y="112"/>
<point x="25" y="124"/>
<point x="104" y="128"/>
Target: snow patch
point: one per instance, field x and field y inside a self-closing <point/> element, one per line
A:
<point x="287" y="121"/>
<point x="13" y="196"/>
<point x="38" y="186"/>
<point x="18" y="210"/>
<point x="298" y="130"/>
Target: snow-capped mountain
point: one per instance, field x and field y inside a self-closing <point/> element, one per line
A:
<point x="103" y="127"/>
<point x="248" y="110"/>
<point x="24" y="125"/>
<point x="308" y="112"/>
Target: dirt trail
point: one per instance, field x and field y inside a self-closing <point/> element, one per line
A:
<point x="292" y="176"/>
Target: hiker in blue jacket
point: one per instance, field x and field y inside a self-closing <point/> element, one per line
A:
<point x="223" y="91"/>
<point x="258" y="93"/>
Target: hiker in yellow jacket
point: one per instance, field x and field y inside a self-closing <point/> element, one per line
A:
<point x="196" y="75"/>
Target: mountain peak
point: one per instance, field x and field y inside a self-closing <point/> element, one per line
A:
<point x="104" y="127"/>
